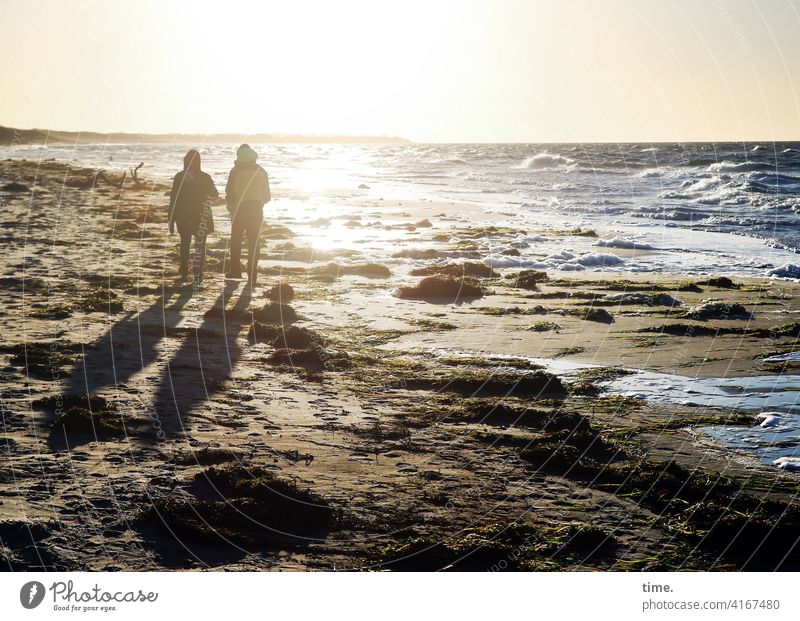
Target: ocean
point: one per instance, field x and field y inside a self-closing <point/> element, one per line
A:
<point x="700" y="208"/>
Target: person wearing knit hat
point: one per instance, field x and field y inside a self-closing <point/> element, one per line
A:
<point x="246" y="193"/>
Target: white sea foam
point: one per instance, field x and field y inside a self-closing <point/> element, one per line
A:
<point x="621" y="242"/>
<point x="770" y="419"/>
<point x="734" y="167"/>
<point x="599" y="259"/>
<point x="516" y="262"/>
<point x="788" y="463"/>
<point x="547" y="161"/>
<point x="787" y="270"/>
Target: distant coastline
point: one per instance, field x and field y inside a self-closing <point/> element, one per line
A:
<point x="11" y="135"/>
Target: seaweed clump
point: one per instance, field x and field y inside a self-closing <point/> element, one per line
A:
<point x="43" y="360"/>
<point x="488" y="547"/>
<point x="456" y="270"/>
<point x="100" y="301"/>
<point x="442" y="288"/>
<point x="721" y="282"/>
<point x="532" y="384"/>
<point x="244" y="506"/>
<point x="281" y="293"/>
<point x="100" y="423"/>
<point x="365" y="270"/>
<point x="598" y="315"/>
<point x="717" y="310"/>
<point x="275" y="313"/>
<point x="529" y="279"/>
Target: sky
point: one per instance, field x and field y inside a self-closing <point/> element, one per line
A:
<point x="430" y="71"/>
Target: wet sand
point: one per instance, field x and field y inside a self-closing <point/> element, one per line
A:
<point x="149" y="424"/>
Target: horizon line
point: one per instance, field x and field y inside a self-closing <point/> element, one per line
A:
<point x="299" y="137"/>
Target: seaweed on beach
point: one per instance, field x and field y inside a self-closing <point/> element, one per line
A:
<point x="721" y="282"/>
<point x="536" y="309"/>
<point x="262" y="332"/>
<point x="365" y="270"/>
<point x="100" y="300"/>
<point x="312" y="358"/>
<point x="637" y="299"/>
<point x="598" y="315"/>
<point x="528" y="279"/>
<point x="242" y="505"/>
<point x="433" y="326"/>
<point x="98" y="423"/>
<point x="490" y="362"/>
<point x="544" y="326"/>
<point x="109" y="281"/>
<point x="717" y="310"/>
<point x="296" y="337"/>
<point x="90" y="401"/>
<point x="51" y="311"/>
<point x="442" y="288"/>
<point x="486" y="547"/>
<point x="532" y="384"/>
<point x="44" y="360"/>
<point x="275" y="313"/>
<point x="626" y="285"/>
<point x="579" y="542"/>
<point x="703" y="507"/>
<point x="690" y="329"/>
<point x="470" y="269"/>
<point x="283" y="292"/>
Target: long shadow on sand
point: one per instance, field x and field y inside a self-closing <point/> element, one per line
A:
<point x="204" y="361"/>
<point x="130" y="345"/>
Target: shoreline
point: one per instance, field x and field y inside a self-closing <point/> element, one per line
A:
<point x="362" y="404"/>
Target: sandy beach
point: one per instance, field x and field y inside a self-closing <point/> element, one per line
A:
<point x="363" y="417"/>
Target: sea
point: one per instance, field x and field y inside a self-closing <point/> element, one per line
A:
<point x="698" y="208"/>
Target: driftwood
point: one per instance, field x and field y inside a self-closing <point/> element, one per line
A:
<point x="135" y="172"/>
<point x="134" y="175"/>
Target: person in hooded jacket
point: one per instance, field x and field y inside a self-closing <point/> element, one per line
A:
<point x="246" y="193"/>
<point x="190" y="209"/>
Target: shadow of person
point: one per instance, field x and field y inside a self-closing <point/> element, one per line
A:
<point x="202" y="364"/>
<point x="129" y="346"/>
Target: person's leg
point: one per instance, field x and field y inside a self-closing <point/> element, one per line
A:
<point x="199" y="256"/>
<point x="186" y="242"/>
<point x="200" y="246"/>
<point x="237" y="229"/>
<point x="253" y="245"/>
